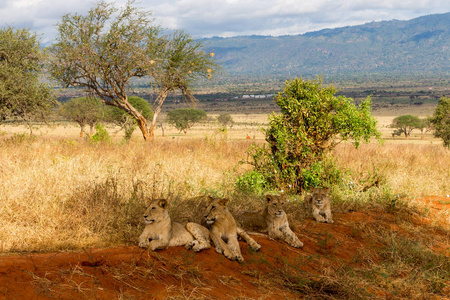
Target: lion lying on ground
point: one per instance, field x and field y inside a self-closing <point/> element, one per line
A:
<point x="223" y="230"/>
<point x="320" y="204"/>
<point x="271" y="219"/>
<point x="161" y="232"/>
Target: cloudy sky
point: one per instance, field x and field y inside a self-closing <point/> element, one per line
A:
<point x="207" y="18"/>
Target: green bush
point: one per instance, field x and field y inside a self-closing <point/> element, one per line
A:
<point x="101" y="135"/>
<point x="252" y="182"/>
<point x="441" y="121"/>
<point x="311" y="123"/>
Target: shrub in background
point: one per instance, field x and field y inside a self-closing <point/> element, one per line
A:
<point x="184" y="118"/>
<point x="441" y="121"/>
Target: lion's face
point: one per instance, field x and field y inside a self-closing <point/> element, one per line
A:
<point x="156" y="211"/>
<point x="275" y="205"/>
<point x="320" y="196"/>
<point x="215" y="210"/>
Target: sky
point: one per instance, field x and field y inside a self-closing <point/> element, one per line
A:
<point x="226" y="18"/>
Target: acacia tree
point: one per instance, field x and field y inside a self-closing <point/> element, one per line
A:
<point x="103" y="50"/>
<point x="441" y="121"/>
<point x="311" y="123"/>
<point x="21" y="94"/>
<point x="424" y="126"/>
<point x="406" y="123"/>
<point x="180" y="62"/>
<point x="84" y="111"/>
<point x="184" y="118"/>
<point x="225" y="120"/>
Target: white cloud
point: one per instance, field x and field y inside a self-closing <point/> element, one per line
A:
<point x="229" y="17"/>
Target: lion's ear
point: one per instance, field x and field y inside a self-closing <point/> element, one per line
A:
<point x="209" y="199"/>
<point x="162" y="203"/>
<point x="223" y="202"/>
<point x="269" y="198"/>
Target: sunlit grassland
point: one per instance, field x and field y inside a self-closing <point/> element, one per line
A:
<point x="60" y="191"/>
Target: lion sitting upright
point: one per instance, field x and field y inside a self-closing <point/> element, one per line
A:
<point x="161" y="232"/>
<point x="271" y="219"/>
<point x="223" y="230"/>
<point x="320" y="204"/>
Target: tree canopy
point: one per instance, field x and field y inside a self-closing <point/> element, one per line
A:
<point x="184" y="118"/>
<point x="84" y="111"/>
<point x="102" y="50"/>
<point x="225" y="120"/>
<point x="179" y="62"/>
<point x="407" y="123"/>
<point x="21" y="60"/>
<point x="441" y="121"/>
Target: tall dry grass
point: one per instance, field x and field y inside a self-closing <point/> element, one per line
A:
<point x="55" y="193"/>
<point x="410" y="169"/>
<point x="58" y="193"/>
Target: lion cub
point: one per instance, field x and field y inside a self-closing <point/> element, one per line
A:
<point x="320" y="204"/>
<point x="161" y="232"/>
<point x="271" y="219"/>
<point x="223" y="230"/>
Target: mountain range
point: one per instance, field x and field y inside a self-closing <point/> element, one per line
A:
<point x="416" y="47"/>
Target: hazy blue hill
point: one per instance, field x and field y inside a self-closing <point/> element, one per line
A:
<point x="416" y="47"/>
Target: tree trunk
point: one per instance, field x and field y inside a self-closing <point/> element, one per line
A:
<point x="157" y="109"/>
<point x="162" y="128"/>
<point x="141" y="121"/>
<point x="142" y="124"/>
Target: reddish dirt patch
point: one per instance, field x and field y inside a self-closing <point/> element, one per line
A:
<point x="130" y="272"/>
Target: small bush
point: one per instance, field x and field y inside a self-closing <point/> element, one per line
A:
<point x="252" y="182"/>
<point x="101" y="134"/>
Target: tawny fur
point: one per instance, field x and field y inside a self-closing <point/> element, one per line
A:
<point x="223" y="230"/>
<point x="161" y="232"/>
<point x="272" y="219"/>
<point x="320" y="203"/>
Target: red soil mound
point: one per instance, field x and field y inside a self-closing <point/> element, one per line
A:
<point x="130" y="272"/>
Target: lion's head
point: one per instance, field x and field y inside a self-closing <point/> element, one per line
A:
<point x="156" y="211"/>
<point x="320" y="196"/>
<point x="216" y="209"/>
<point x="275" y="205"/>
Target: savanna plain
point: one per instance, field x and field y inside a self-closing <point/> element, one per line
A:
<point x="71" y="212"/>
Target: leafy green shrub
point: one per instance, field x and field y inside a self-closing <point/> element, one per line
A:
<point x="252" y="182"/>
<point x="311" y="123"/>
<point x="101" y="135"/>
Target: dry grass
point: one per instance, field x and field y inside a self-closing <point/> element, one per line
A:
<point x="58" y="194"/>
<point x="412" y="169"/>
<point x="58" y="191"/>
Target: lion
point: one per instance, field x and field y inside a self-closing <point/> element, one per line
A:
<point x="161" y="232"/>
<point x="320" y="204"/>
<point x="272" y="219"/>
<point x="224" y="231"/>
